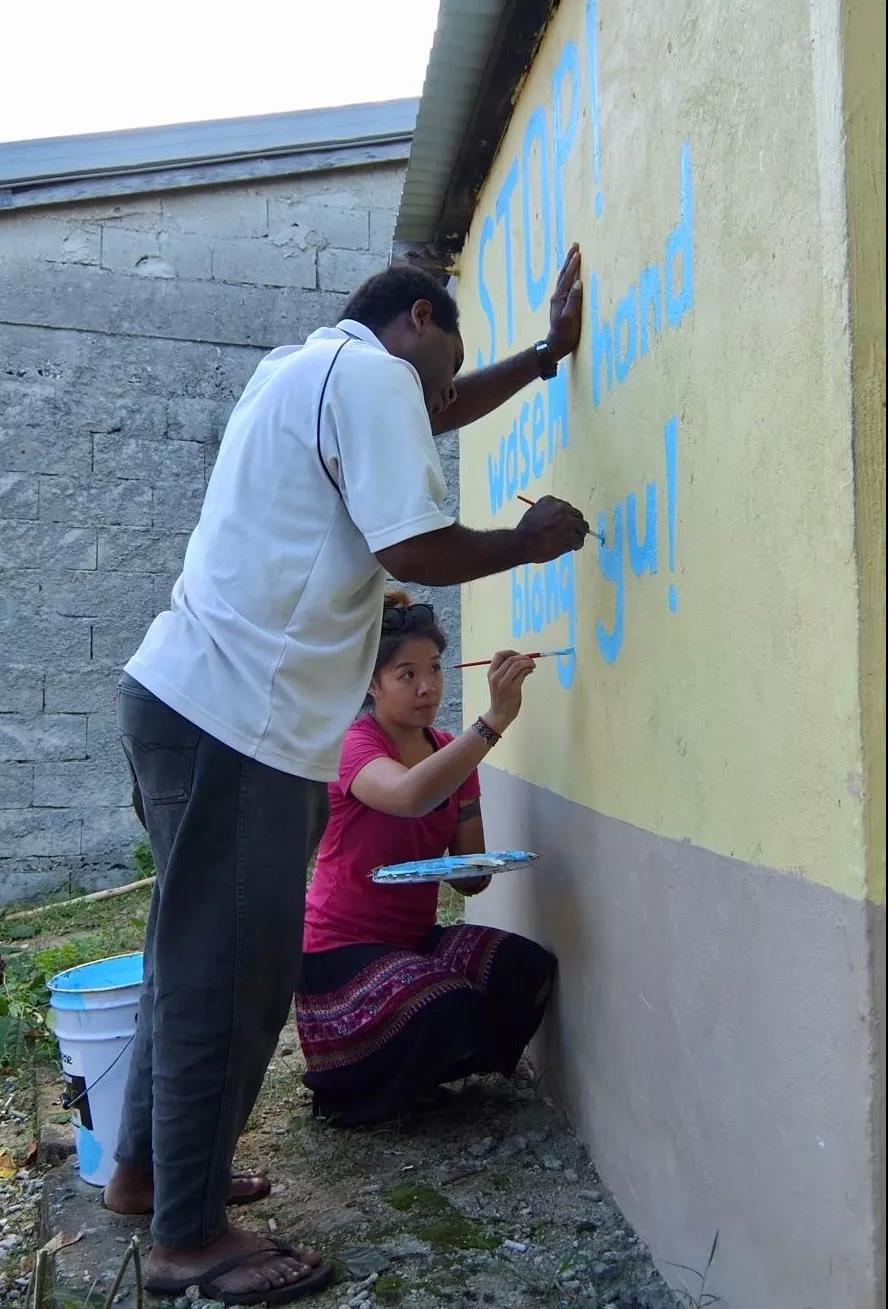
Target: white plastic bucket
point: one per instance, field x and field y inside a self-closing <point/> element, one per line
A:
<point x="93" y="1011"/>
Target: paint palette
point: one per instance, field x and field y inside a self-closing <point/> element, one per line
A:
<point x="453" y="867"/>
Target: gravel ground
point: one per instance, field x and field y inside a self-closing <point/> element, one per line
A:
<point x="20" y="1187"/>
<point x="488" y="1200"/>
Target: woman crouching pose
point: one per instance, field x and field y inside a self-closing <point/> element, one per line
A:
<point x="391" y="1004"/>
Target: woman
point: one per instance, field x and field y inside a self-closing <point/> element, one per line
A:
<point x="391" y="1004"/>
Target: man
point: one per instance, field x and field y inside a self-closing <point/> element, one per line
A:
<point x="233" y="710"/>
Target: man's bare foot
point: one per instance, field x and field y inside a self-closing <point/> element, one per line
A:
<point x="131" y="1190"/>
<point x="263" y="1269"/>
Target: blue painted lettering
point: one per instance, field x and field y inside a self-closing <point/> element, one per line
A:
<point x="484" y="294"/>
<point x="681" y="243"/>
<point x="523" y="419"/>
<point x="625" y="334"/>
<point x="536" y="145"/>
<point x="642" y="557"/>
<point x="650" y="308"/>
<point x="538" y="431"/>
<point x="541" y="598"/>
<point x="566" y="76"/>
<point x="504" y="216"/>
<point x="610" y="562"/>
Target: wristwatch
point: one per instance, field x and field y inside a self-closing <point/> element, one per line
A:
<point x="546" y="360"/>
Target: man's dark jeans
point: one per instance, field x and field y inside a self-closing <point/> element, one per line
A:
<point x="231" y="840"/>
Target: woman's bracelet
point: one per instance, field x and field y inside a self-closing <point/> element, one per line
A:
<point x="486" y="733"/>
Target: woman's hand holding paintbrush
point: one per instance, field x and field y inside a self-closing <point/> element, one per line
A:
<point x="507" y="674"/>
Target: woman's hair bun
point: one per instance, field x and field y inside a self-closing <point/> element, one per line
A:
<point x="396" y="600"/>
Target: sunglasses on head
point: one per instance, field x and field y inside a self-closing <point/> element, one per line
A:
<point x="396" y="617"/>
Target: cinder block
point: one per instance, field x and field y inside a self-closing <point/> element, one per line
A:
<point x="18" y="495"/>
<point x="25" y="401"/>
<point x="310" y="225"/>
<point x="256" y="263"/>
<point x="382" y="229"/>
<point x="31" y="879"/>
<point x="24" y="236"/>
<point x="197" y="420"/>
<point x="98" y="361"/>
<point x="81" y="690"/>
<point x="153" y="461"/>
<point x="102" y="409"/>
<point x="31" y="450"/>
<point x="86" y="782"/>
<point x="140" y="550"/>
<point x="16" y="787"/>
<point x="345" y="270"/>
<point x="115" y="643"/>
<point x="378" y="187"/>
<point x="27" y="737"/>
<point x="110" y="833"/>
<point x="89" y="299"/>
<point x="120" y="596"/>
<point x="178" y="505"/>
<point x="19" y="591"/>
<point x="154" y="254"/>
<point x="21" y="687"/>
<point x="140" y="211"/>
<point x="103" y="739"/>
<point x="96" y="501"/>
<point x="35" y="545"/>
<point x="163" y="589"/>
<point x="30" y="833"/>
<point x="126" y="250"/>
<point x="39" y="639"/>
<point x="224" y="212"/>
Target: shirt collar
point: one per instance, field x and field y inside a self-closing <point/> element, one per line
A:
<point x="363" y="333"/>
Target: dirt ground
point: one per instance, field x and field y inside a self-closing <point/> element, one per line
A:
<point x="488" y="1200"/>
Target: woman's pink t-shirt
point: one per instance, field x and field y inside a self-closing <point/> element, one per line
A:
<point x="343" y="906"/>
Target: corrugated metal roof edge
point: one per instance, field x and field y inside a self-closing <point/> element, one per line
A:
<point x="461" y="171"/>
<point x="208" y="152"/>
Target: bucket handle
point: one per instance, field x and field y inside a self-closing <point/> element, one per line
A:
<point x="68" y="1103"/>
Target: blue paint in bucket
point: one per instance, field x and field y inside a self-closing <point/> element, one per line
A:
<point x="68" y="988"/>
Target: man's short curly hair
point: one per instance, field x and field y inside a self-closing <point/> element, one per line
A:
<point x="395" y="291"/>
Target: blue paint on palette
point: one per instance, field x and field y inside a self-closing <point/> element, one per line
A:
<point x="453" y="868"/>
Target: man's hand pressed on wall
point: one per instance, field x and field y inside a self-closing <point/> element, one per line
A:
<point x="566" y="307"/>
<point x="479" y="393"/>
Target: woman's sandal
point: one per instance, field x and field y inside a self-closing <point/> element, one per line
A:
<point x="314" y="1281"/>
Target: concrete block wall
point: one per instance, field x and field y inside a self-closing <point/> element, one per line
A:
<point x="128" y="328"/>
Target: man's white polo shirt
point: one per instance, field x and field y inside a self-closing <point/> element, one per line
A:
<point x="273" y="626"/>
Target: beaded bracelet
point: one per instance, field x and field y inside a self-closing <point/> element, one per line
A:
<point x="486" y="733"/>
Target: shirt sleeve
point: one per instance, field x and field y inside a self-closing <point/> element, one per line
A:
<point x="363" y="743"/>
<point x="378" y="445"/>
<point x="470" y="789"/>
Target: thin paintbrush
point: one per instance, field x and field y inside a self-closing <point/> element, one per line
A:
<point x="537" y="654"/>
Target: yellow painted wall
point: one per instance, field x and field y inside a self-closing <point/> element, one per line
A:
<point x="715" y="692"/>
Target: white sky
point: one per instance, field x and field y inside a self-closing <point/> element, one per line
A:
<point x="101" y="65"/>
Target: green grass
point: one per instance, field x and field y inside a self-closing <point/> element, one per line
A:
<point x="32" y="950"/>
<point x="451" y="906"/>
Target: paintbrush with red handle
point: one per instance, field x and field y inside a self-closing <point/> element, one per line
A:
<point x="536" y="654"/>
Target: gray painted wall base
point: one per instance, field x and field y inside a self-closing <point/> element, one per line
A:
<point x="710" y="1038"/>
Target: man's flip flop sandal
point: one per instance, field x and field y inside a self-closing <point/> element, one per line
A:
<point x="314" y="1281"/>
<point x="262" y="1191"/>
